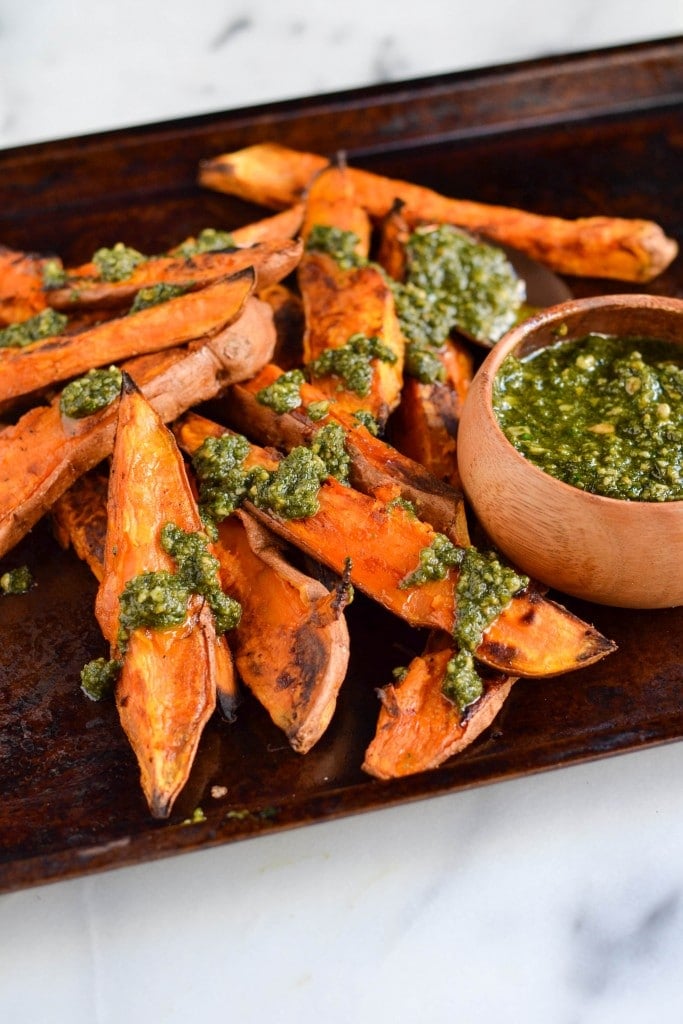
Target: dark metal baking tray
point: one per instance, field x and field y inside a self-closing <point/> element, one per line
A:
<point x="586" y="134"/>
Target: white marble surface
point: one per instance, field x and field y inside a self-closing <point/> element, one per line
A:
<point x="557" y="899"/>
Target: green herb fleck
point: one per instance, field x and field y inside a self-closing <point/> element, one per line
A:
<point x="54" y="274"/>
<point x="16" y="581"/>
<point x="208" y="240"/>
<point x="435" y="562"/>
<point x="352" y="362"/>
<point x="330" y="445"/>
<point x="117" y="263"/>
<point x="367" y="420"/>
<point x="462" y="684"/>
<point x="45" y="324"/>
<point x="339" y="244"/>
<point x="223" y="480"/>
<point x="98" y="678"/>
<point x="291" y="491"/>
<point x="318" y="410"/>
<point x="284" y="394"/>
<point x="90" y="393"/>
<point x="155" y="294"/>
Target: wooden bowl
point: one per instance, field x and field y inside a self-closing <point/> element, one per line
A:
<point x="623" y="553"/>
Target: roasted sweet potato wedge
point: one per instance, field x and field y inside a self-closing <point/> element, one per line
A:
<point x="532" y="636"/>
<point x="271" y="260"/>
<point x="608" y="247"/>
<point x="201" y="314"/>
<point x="425" y="425"/>
<point x="291" y="646"/>
<point x="21" y="285"/>
<point x="375" y="467"/>
<point x="166" y="690"/>
<point x="43" y="453"/>
<point x="418" y="728"/>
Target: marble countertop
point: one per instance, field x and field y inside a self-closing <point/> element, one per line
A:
<point x="556" y="898"/>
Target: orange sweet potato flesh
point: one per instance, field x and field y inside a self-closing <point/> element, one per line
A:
<point x="425" y="425"/>
<point x="532" y="636"/>
<point x="79" y="520"/>
<point x="271" y="260"/>
<point x="291" y="646"/>
<point x="166" y="690"/>
<point x="610" y="247"/>
<point x="43" y="454"/>
<point x="200" y="314"/>
<point x="375" y="465"/>
<point x="339" y="303"/>
<point x="418" y="728"/>
<point x="21" y="285"/>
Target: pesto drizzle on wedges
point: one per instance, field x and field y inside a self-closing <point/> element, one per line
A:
<point x="156" y="294"/>
<point x="118" y="262"/>
<point x="88" y="394"/>
<point x="284" y="394"/>
<point x="208" y="240"/>
<point x="45" y="324"/>
<point x="352" y="363"/>
<point x="484" y="588"/>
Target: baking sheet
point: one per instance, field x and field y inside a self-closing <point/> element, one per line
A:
<point x="594" y="133"/>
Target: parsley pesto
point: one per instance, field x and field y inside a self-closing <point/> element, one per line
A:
<point x="601" y="413"/>
<point x="208" y="240"/>
<point x="45" y="324"/>
<point x="16" y="581"/>
<point x="118" y="262"/>
<point x="352" y="362"/>
<point x="156" y="294"/>
<point x="284" y="394"/>
<point x="88" y="394"/>
<point x="485" y="586"/>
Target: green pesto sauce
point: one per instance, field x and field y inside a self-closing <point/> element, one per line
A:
<point x="208" y="240"/>
<point x="54" y="274"/>
<point x="423" y="364"/>
<point x="198" y="571"/>
<point x="339" y="244"/>
<point x="601" y="413"/>
<point x="455" y="282"/>
<point x="284" y="394"/>
<point x="117" y="263"/>
<point x="153" y="600"/>
<point x="405" y="505"/>
<point x="317" y="411"/>
<point x="434" y="562"/>
<point x="45" y="324"/>
<point x="290" y="491"/>
<point x="88" y="394"/>
<point x="352" y="363"/>
<point x="98" y="678"/>
<point x="367" y="420"/>
<point x="484" y="588"/>
<point x="223" y="480"/>
<point x="329" y="444"/>
<point x="155" y="294"/>
<point x="16" y="581"/>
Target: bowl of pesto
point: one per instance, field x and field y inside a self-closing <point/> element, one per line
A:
<point x="570" y="449"/>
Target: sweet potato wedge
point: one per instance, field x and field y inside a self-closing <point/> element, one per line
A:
<point x="418" y="728"/>
<point x="340" y="302"/>
<point x="425" y="425"/>
<point x="21" y="285"/>
<point x="291" y="646"/>
<point x="375" y="467"/>
<point x="201" y="314"/>
<point x="532" y="636"/>
<point x="42" y="454"/>
<point x="166" y="690"/>
<point x="609" y="247"/>
<point x="272" y="260"/>
<point x="79" y="520"/>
